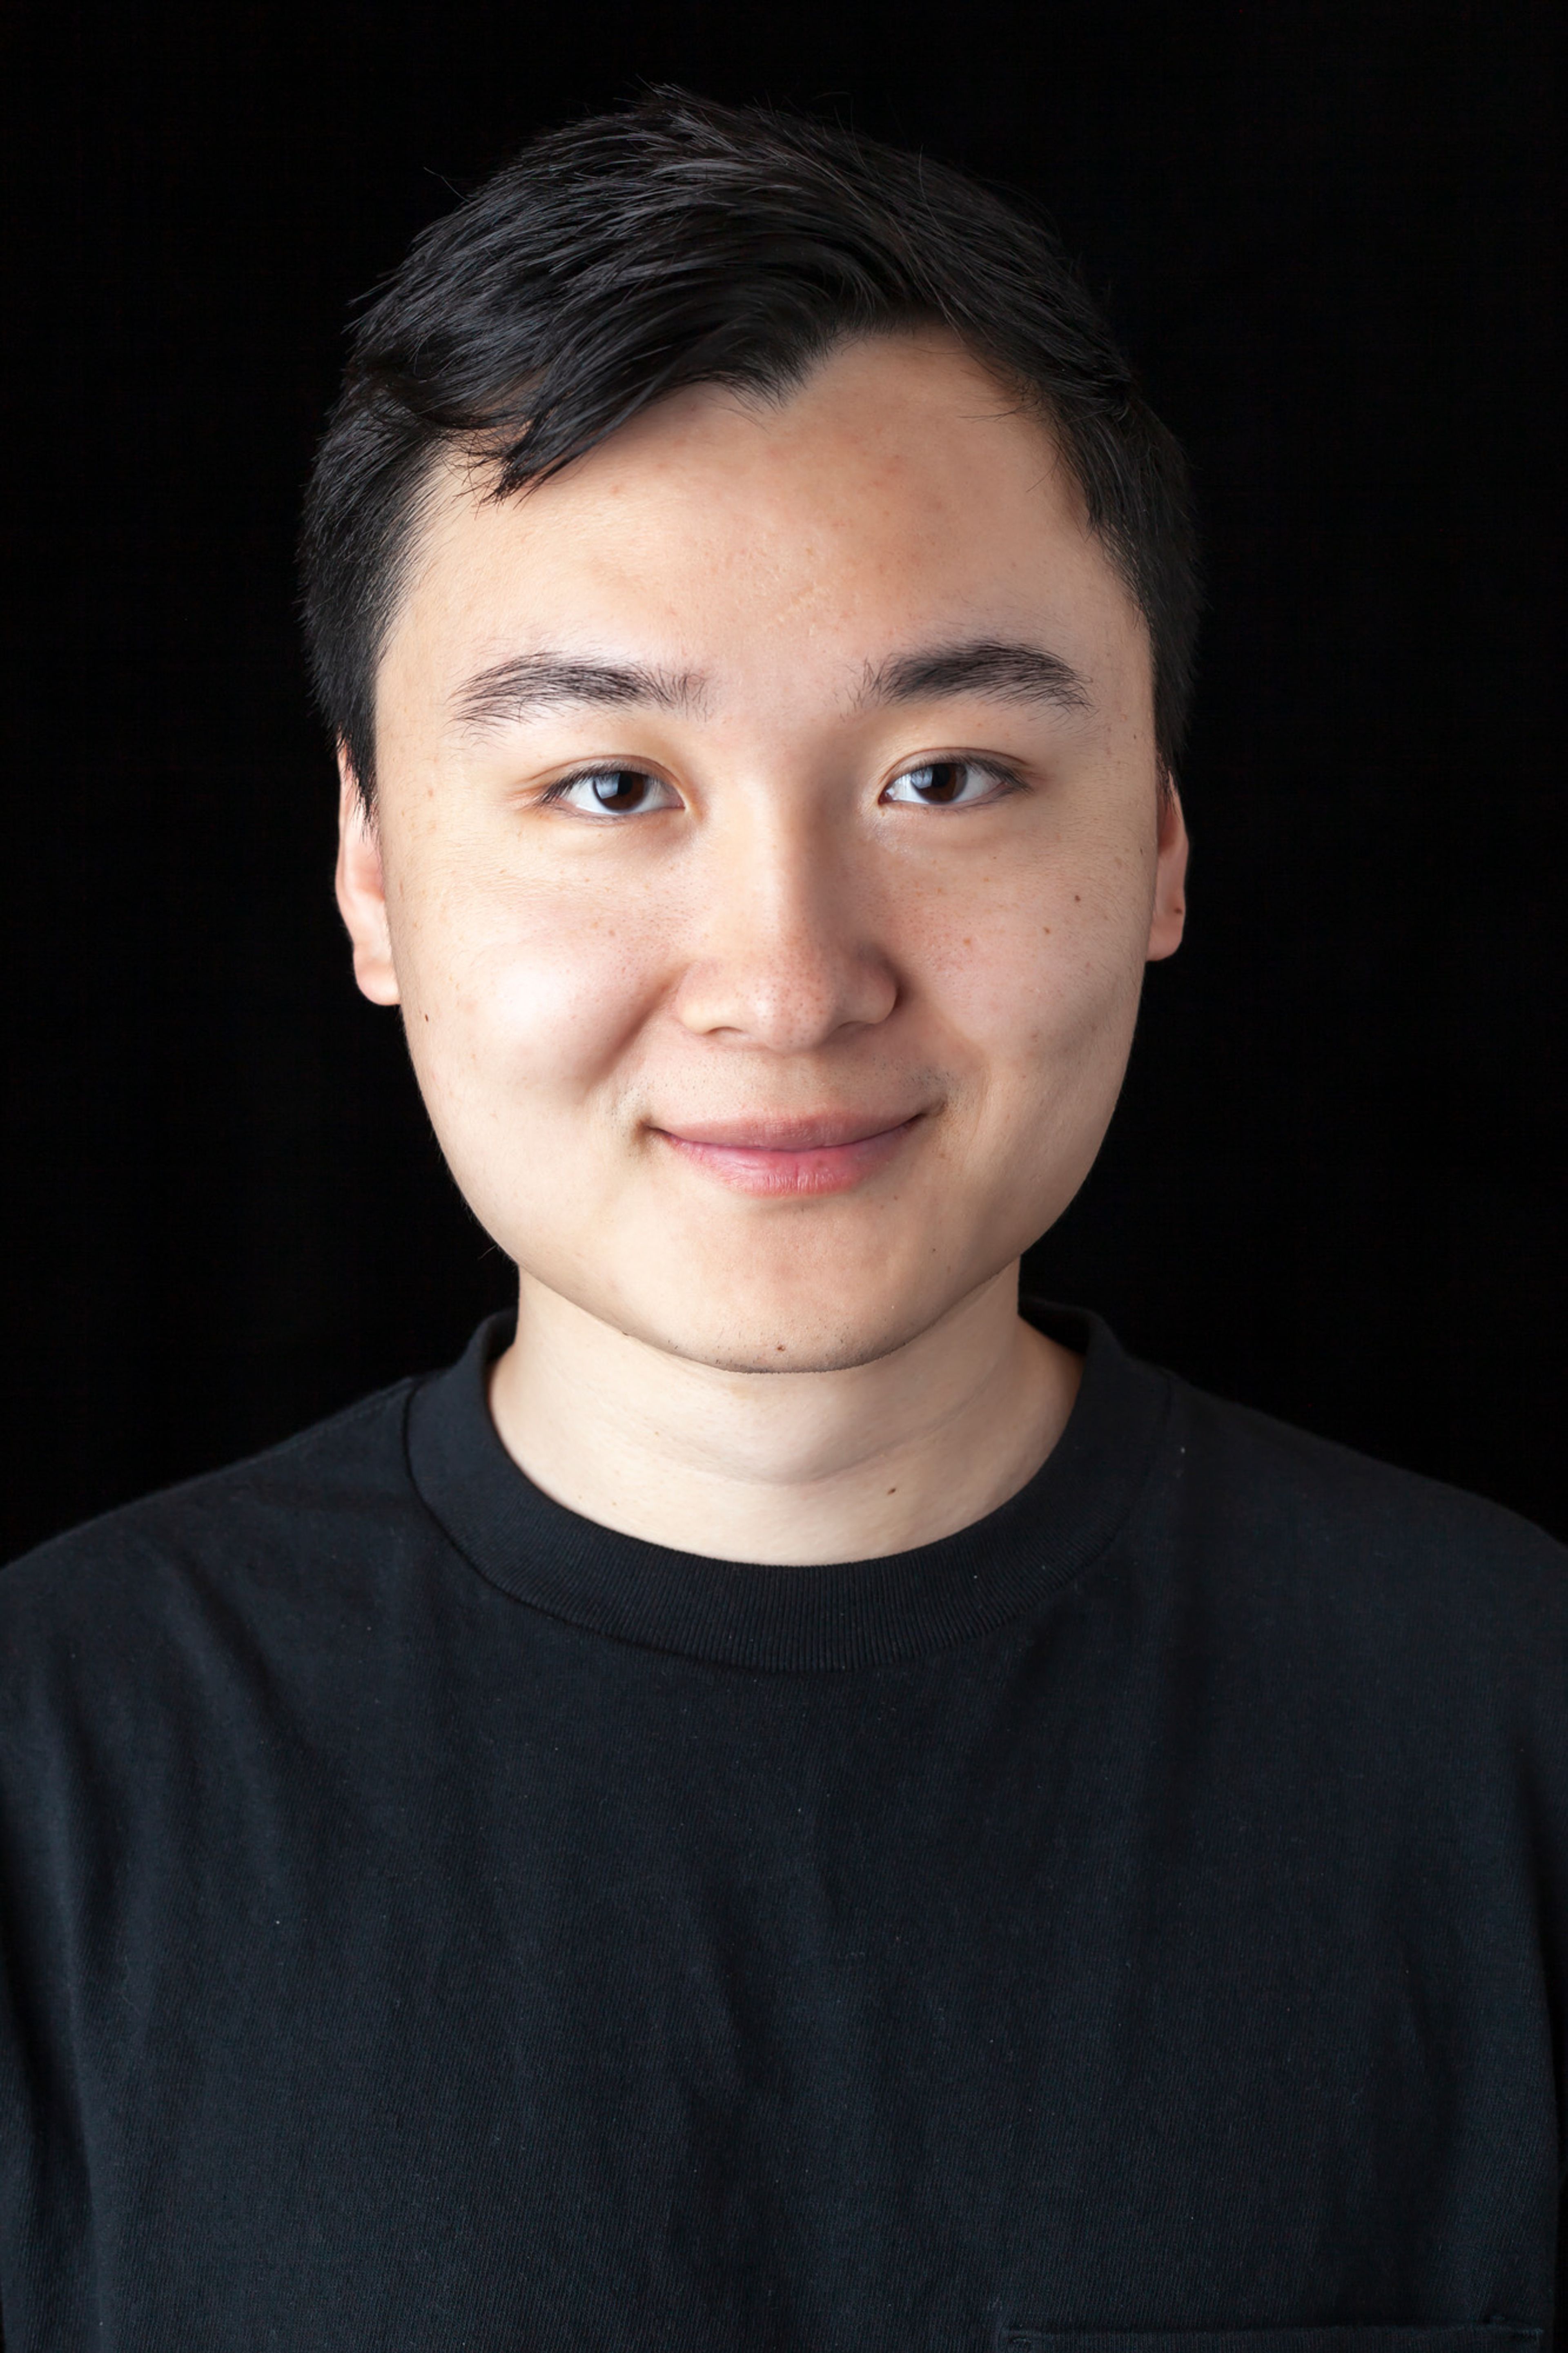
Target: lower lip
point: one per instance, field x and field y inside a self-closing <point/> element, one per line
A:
<point x="822" y="1169"/>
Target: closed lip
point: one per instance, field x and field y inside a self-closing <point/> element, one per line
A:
<point x="821" y="1132"/>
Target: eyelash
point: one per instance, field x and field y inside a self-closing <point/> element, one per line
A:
<point x="995" y="770"/>
<point x="563" y="784"/>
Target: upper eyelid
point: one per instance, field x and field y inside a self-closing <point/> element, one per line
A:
<point x="989" y="765"/>
<point x="996" y="764"/>
<point x="610" y="768"/>
<point x="606" y="768"/>
<point x="1003" y="771"/>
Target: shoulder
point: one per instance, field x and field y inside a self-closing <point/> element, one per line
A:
<point x="273" y="1524"/>
<point x="1303" y="1516"/>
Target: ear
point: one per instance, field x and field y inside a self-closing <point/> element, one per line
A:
<point x="361" y="888"/>
<point x="1169" y="915"/>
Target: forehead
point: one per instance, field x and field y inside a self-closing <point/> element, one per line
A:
<point x="899" y="491"/>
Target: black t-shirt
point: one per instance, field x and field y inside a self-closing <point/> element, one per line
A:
<point x="1135" y="1924"/>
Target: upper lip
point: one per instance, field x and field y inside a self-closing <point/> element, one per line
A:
<point x="763" y="1132"/>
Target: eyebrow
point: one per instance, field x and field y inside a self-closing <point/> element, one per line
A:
<point x="545" y="681"/>
<point x="512" y="690"/>
<point x="1018" y="672"/>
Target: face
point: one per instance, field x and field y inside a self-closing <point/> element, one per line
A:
<point x="768" y="849"/>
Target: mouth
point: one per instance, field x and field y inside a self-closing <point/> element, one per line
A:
<point x="830" y="1154"/>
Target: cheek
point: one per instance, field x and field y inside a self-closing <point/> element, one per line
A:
<point x="1044" y="980"/>
<point x="520" y="994"/>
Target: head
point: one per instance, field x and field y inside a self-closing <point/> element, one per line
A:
<point x="755" y="614"/>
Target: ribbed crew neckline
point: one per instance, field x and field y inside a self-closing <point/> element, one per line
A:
<point x="821" y="1617"/>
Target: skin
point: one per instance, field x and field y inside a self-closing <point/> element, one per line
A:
<point x="766" y="1072"/>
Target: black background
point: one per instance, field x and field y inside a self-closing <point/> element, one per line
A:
<point x="1329" y="235"/>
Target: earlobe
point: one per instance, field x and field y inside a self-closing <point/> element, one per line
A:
<point x="1170" y="911"/>
<point x="362" y="890"/>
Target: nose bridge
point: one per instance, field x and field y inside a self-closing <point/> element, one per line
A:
<point x="783" y="954"/>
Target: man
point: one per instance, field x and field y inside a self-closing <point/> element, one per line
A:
<point x="780" y="1803"/>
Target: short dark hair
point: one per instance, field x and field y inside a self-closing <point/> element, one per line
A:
<point x="681" y="242"/>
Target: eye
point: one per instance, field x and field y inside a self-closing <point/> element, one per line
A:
<point x="949" y="783"/>
<point x="613" y="792"/>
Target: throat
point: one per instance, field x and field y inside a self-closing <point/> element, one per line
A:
<point x="792" y="1468"/>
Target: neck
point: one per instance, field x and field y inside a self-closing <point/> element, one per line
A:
<point x="787" y="1467"/>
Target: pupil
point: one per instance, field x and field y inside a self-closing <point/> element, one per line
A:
<point x="943" y="781"/>
<point x="618" y="788"/>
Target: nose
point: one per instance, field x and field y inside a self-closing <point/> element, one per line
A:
<point x="784" y="955"/>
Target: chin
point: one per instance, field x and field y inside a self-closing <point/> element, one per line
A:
<point x="807" y="1324"/>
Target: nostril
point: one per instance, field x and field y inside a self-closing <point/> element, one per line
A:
<point x="788" y="1002"/>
